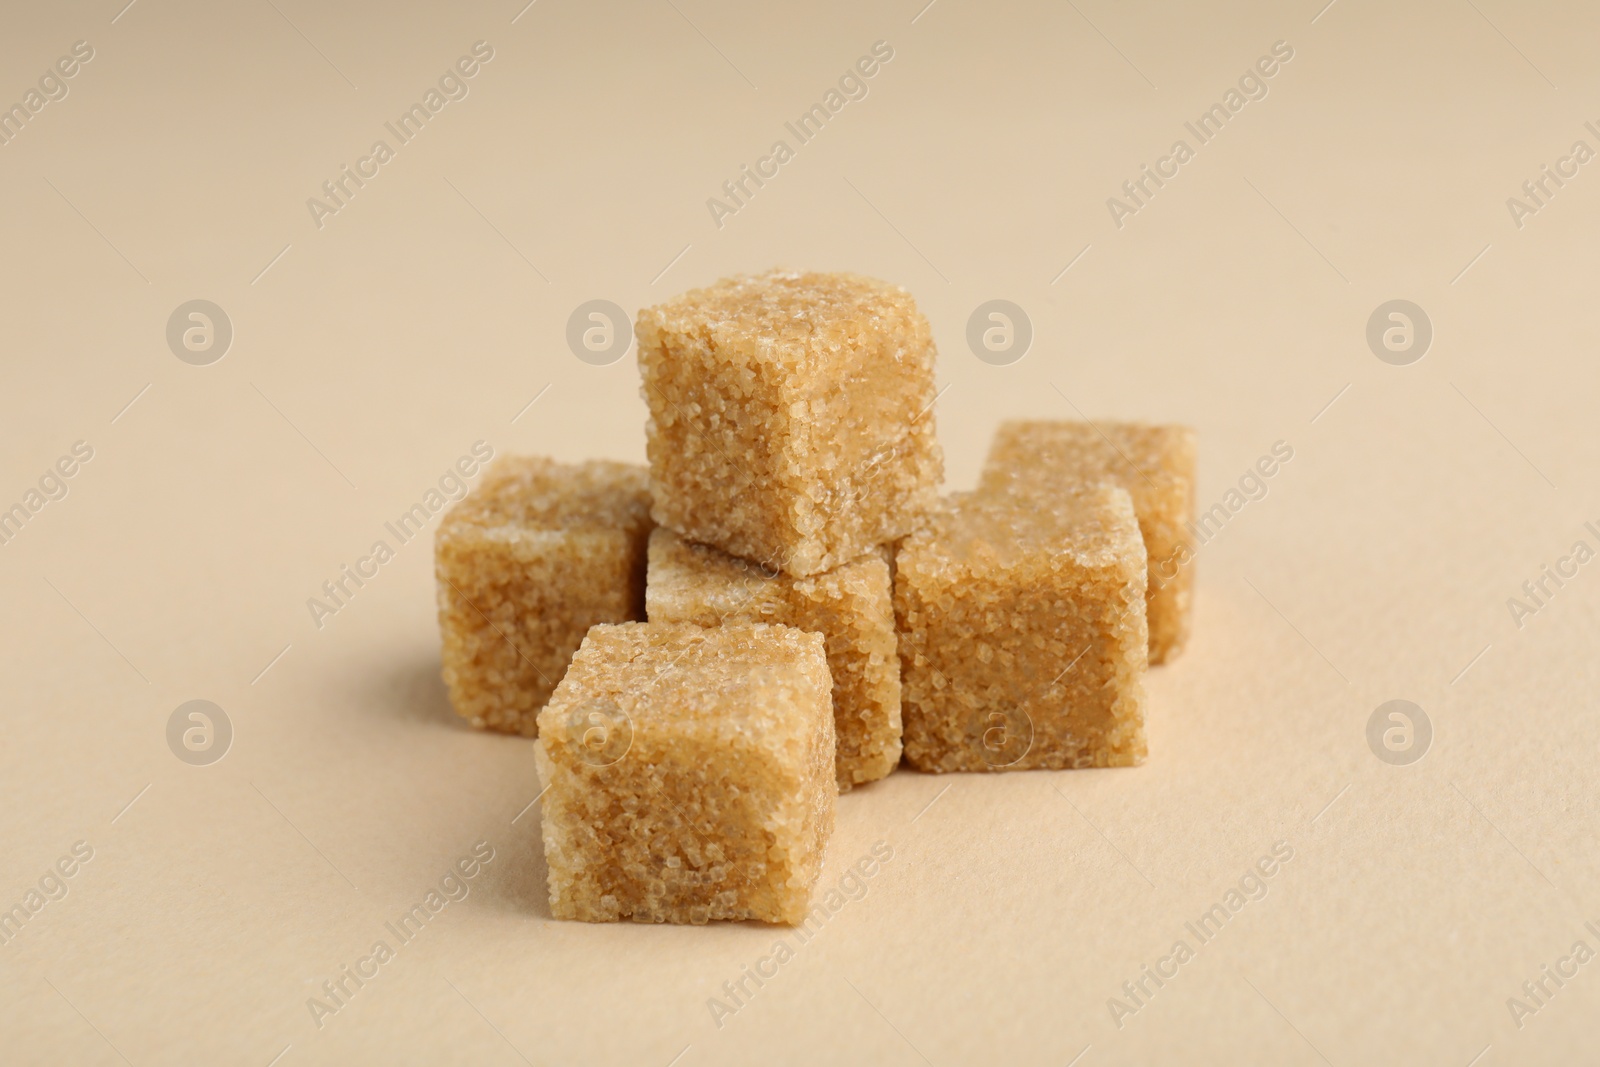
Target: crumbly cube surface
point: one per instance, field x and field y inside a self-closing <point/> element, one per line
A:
<point x="1022" y="632"/>
<point x="536" y="554"/>
<point x="688" y="774"/>
<point x="1155" y="464"/>
<point x="791" y="416"/>
<point x="851" y="606"/>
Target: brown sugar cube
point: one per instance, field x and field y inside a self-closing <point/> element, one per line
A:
<point x="1155" y="464"/>
<point x="790" y="416"/>
<point x="526" y="563"/>
<point x="1022" y="632"/>
<point x="688" y="774"/>
<point x="851" y="606"/>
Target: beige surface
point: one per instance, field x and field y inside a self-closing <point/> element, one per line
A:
<point x="410" y="325"/>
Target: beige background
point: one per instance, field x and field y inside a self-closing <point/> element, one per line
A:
<point x="428" y="312"/>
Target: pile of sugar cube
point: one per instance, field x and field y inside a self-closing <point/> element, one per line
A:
<point x="817" y="612"/>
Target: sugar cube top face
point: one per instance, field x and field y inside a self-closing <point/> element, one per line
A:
<point x="1155" y="464"/>
<point x="791" y="416"/>
<point x="526" y="563"/>
<point x="852" y="606"/>
<point x="1022" y="632"/>
<point x="689" y="774"/>
<point x="532" y="493"/>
